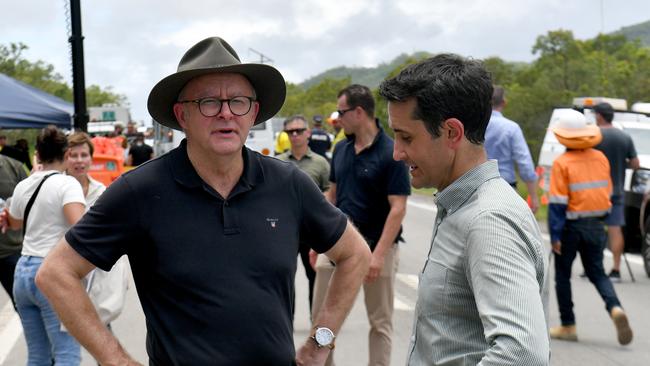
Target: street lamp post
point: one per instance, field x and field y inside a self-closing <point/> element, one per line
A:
<point x="78" y="80"/>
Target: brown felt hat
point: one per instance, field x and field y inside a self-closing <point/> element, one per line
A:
<point x="214" y="55"/>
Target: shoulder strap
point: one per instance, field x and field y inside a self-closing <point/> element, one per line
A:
<point x="31" y="201"/>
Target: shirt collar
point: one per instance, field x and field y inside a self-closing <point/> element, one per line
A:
<point x="455" y="195"/>
<point x="308" y="154"/>
<point x="496" y="113"/>
<point x="378" y="136"/>
<point x="184" y="173"/>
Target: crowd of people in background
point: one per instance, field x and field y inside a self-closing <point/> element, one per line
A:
<point x="335" y="198"/>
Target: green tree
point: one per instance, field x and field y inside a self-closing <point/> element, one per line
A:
<point x="318" y="99"/>
<point x="42" y="76"/>
<point x="95" y="96"/>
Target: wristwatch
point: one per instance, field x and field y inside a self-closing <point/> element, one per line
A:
<point x="324" y="337"/>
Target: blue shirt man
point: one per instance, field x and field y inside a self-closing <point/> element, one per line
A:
<point x="505" y="142"/>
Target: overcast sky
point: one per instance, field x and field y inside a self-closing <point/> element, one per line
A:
<point x="132" y="44"/>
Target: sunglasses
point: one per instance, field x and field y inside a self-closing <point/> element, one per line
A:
<point x="341" y="113"/>
<point x="296" y="131"/>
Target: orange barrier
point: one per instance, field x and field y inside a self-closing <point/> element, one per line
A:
<point x="106" y="168"/>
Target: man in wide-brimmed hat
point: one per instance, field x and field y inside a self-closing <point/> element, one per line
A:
<point x="579" y="201"/>
<point x="212" y="230"/>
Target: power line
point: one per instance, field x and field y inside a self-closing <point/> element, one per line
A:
<point x="263" y="58"/>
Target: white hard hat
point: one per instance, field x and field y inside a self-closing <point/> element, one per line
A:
<point x="333" y="117"/>
<point x="573" y="131"/>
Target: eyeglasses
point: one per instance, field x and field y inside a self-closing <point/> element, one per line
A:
<point x="210" y="107"/>
<point x="295" y="131"/>
<point x="341" y="113"/>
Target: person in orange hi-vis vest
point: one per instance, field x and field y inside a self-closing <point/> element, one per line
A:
<point x="579" y="201"/>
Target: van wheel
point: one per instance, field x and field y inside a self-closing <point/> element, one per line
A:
<point x="645" y="247"/>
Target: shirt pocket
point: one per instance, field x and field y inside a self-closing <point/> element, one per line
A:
<point x="432" y="291"/>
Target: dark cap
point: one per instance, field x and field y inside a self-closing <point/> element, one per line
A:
<point x="605" y="110"/>
<point x="318" y="118"/>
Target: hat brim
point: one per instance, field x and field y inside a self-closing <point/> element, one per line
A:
<point x="268" y="83"/>
<point x="580" y="143"/>
<point x="587" y="131"/>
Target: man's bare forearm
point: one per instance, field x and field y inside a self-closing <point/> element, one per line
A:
<point x="391" y="229"/>
<point x="351" y="267"/>
<point x="61" y="284"/>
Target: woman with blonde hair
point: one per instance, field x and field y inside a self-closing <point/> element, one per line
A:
<point x="106" y="289"/>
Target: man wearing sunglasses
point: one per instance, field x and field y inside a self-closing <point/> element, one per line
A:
<point x="371" y="188"/>
<point x="315" y="166"/>
<point x="211" y="230"/>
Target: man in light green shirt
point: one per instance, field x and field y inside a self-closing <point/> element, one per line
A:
<point x="300" y="154"/>
<point x="315" y="166"/>
<point x="482" y="295"/>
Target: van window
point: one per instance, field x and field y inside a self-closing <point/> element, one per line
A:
<point x="259" y="126"/>
<point x="641" y="138"/>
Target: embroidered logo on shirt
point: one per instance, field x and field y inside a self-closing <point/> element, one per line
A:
<point x="273" y="222"/>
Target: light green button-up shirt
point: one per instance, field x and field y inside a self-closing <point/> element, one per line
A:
<point x="483" y="291"/>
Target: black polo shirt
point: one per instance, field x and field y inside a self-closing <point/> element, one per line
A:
<point x="365" y="180"/>
<point x="214" y="276"/>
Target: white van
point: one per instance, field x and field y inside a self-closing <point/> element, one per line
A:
<point x="637" y="125"/>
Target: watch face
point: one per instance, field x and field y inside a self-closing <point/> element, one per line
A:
<point x="324" y="336"/>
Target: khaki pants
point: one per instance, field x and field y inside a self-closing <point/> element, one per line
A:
<point x="378" y="297"/>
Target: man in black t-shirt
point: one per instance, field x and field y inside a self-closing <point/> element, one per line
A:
<point x="139" y="152"/>
<point x="212" y="230"/>
<point x="619" y="149"/>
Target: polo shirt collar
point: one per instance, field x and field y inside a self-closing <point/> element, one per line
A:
<point x="308" y="154"/>
<point x="378" y="136"/>
<point x="455" y="195"/>
<point x="184" y="173"/>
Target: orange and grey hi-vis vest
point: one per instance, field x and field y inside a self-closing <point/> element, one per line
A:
<point x="580" y="179"/>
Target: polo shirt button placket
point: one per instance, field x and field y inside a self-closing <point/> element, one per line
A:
<point x="229" y="220"/>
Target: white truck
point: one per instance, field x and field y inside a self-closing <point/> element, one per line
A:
<point x="636" y="123"/>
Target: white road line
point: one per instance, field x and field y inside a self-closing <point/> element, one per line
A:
<point x="400" y="303"/>
<point x="632" y="258"/>
<point x="410" y="280"/>
<point x="422" y="206"/>
<point x="11" y="332"/>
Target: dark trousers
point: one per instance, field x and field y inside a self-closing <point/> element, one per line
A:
<point x="7" y="267"/>
<point x="311" y="277"/>
<point x="586" y="236"/>
<point x="311" y="274"/>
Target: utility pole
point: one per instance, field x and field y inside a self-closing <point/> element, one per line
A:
<point x="78" y="80"/>
<point x="263" y="58"/>
<point x="602" y="17"/>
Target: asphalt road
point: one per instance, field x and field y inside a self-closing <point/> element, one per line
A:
<point x="597" y="345"/>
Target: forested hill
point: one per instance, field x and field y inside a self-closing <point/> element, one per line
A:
<point x="369" y="76"/>
<point x="639" y="31"/>
<point x="373" y="76"/>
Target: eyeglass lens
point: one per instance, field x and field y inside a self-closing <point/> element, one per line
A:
<point x="239" y="106"/>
